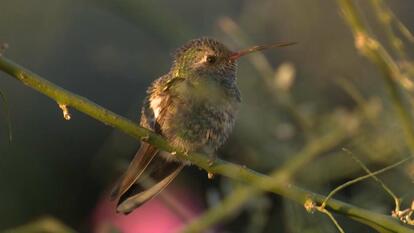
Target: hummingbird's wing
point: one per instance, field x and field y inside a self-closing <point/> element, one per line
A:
<point x="135" y="169"/>
<point x="148" y="174"/>
<point x="156" y="177"/>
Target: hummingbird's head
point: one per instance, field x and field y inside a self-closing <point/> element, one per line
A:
<point x="204" y="56"/>
<point x="208" y="57"/>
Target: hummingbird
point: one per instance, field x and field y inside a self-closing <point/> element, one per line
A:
<point x="194" y="107"/>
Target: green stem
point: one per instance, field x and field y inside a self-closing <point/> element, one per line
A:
<point x="392" y="76"/>
<point x="222" y="167"/>
<point x="361" y="178"/>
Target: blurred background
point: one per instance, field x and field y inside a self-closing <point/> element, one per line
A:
<point x="320" y="92"/>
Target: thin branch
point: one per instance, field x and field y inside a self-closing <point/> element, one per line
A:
<point x="385" y="17"/>
<point x="222" y="167"/>
<point x="324" y="211"/>
<point x="311" y="207"/>
<point x="383" y="185"/>
<point x="376" y="53"/>
<point x="361" y="178"/>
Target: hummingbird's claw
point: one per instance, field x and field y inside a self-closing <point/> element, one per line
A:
<point x="211" y="161"/>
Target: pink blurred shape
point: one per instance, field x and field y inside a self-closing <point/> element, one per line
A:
<point x="164" y="214"/>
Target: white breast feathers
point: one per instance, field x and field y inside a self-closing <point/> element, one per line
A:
<point x="155" y="104"/>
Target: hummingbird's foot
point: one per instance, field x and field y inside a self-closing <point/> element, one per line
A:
<point x="210" y="175"/>
<point x="211" y="162"/>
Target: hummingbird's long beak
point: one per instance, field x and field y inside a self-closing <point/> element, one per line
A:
<point x="236" y="55"/>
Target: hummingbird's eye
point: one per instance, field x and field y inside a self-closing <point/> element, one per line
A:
<point x="211" y="59"/>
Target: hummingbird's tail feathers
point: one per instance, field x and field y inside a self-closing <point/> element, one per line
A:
<point x="157" y="176"/>
<point x="139" y="163"/>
